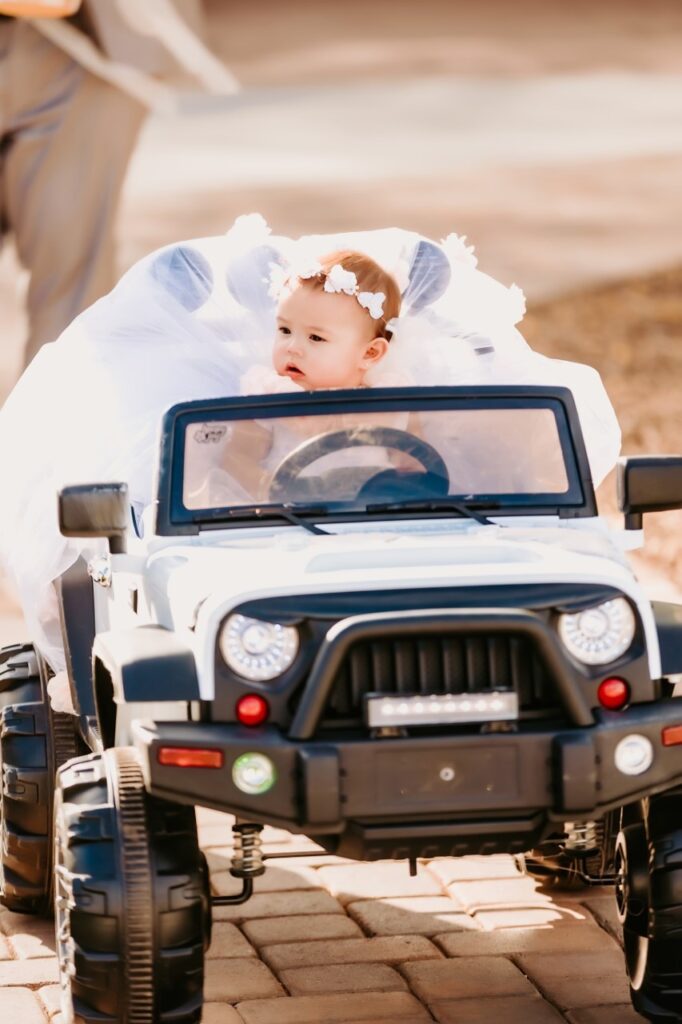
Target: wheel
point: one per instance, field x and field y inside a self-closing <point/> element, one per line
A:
<point x="132" y="906"/>
<point x="649" y="899"/>
<point x="34" y="742"/>
<point x="287" y="473"/>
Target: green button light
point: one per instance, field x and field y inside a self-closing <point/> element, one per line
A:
<point x="254" y="773"/>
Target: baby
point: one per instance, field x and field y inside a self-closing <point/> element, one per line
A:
<point x="332" y="330"/>
<point x="332" y="322"/>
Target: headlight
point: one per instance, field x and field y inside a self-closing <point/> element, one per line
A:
<point x="601" y="634"/>
<point x="257" y="650"/>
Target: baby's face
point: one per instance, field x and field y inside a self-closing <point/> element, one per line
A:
<point x="325" y="340"/>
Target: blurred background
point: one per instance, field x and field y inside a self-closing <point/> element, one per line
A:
<point x="548" y="133"/>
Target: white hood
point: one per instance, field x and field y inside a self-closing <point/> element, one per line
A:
<point x="194" y="585"/>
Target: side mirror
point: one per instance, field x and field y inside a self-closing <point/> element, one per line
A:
<point x="648" y="483"/>
<point x="96" y="510"/>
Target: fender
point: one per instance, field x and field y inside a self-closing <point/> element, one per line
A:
<point x="144" y="664"/>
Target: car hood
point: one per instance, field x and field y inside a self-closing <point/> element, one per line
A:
<point x="184" y="578"/>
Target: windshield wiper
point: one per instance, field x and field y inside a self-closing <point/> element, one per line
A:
<point x="435" y="505"/>
<point x="283" y="512"/>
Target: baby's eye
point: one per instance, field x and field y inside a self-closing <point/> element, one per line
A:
<point x="284" y="330"/>
<point x="316" y="337"/>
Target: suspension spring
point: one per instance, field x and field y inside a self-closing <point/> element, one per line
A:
<point x="247" y="858"/>
<point x="582" y="837"/>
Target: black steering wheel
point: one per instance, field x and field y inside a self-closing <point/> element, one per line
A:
<point x="293" y="464"/>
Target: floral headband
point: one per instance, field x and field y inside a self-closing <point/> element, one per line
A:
<point x="337" y="280"/>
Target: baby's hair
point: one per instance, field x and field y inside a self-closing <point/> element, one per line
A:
<point x="370" y="277"/>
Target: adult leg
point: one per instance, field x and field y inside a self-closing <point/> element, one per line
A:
<point x="70" y="139"/>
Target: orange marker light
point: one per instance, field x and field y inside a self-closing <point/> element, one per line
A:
<point x="190" y="757"/>
<point x="671" y="735"/>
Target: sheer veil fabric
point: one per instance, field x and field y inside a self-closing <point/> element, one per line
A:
<point x="197" y="320"/>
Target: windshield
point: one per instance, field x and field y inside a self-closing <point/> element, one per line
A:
<point x="494" y="453"/>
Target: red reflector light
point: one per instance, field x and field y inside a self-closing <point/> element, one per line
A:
<point x="190" y="757"/>
<point x="613" y="694"/>
<point x="671" y="735"/>
<point x="252" y="709"/>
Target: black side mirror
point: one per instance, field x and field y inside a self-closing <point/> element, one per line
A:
<point x="648" y="483"/>
<point x="96" y="510"/>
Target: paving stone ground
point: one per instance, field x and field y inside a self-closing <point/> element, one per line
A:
<point x="328" y="941"/>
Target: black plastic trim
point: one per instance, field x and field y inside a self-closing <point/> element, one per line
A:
<point x="393" y="784"/>
<point x="77" y="617"/>
<point x="147" y="663"/>
<point x="399" y="624"/>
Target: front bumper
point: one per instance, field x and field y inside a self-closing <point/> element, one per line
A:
<point x="443" y="794"/>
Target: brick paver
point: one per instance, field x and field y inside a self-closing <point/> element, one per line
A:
<point x="462" y="869"/>
<point x="466" y="978"/>
<point x="304" y="981"/>
<point x="28" y="972"/>
<point x="508" y="1010"/>
<point x="219" y="1013"/>
<point x="276" y="879"/>
<point x="49" y="997"/>
<point x="605" y="1015"/>
<point x="388" y="950"/>
<point x="565" y="937"/>
<point x="279" y="904"/>
<point x="33" y="945"/>
<point x="227" y="941"/>
<point x="521" y="891"/>
<point x="603" y="908"/>
<point x="576" y="980"/>
<point x="374" y="881"/>
<point x="232" y="980"/>
<point x="307" y="927"/>
<point x="416" y="915"/>
<point x="337" y="1009"/>
<point x="20" y="1004"/>
<point x="327" y="941"/>
<point x="540" y="916"/>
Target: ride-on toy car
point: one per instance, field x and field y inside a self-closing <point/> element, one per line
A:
<point x="389" y="619"/>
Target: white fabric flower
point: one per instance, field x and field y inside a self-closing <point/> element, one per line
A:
<point x="249" y="229"/>
<point x="458" y="251"/>
<point x="373" y="302"/>
<point x="517" y="305"/>
<point x="340" y="280"/>
<point x="279" y="278"/>
<point x="306" y="268"/>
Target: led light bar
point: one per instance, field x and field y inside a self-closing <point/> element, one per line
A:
<point x="498" y="706"/>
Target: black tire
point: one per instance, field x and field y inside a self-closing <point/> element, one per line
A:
<point x="649" y="894"/>
<point x="132" y="906"/>
<point x="34" y="742"/>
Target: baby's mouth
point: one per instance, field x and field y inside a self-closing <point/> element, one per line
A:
<point x="292" y="370"/>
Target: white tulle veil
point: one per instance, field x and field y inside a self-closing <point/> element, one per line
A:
<point x="194" y="320"/>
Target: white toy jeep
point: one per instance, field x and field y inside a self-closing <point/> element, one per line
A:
<point x="388" y="619"/>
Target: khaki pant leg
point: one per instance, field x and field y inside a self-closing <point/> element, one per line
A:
<point x="64" y="157"/>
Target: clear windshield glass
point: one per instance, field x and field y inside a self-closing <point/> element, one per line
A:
<point x="348" y="461"/>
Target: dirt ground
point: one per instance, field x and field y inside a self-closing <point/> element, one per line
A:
<point x="304" y="42"/>
<point x="631" y="332"/>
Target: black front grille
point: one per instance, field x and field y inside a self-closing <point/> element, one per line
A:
<point x="452" y="664"/>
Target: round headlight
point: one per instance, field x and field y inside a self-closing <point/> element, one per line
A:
<point x="257" y="650"/>
<point x="601" y="634"/>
